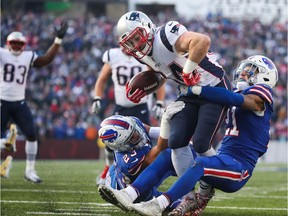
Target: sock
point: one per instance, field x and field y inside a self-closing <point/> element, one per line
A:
<point x="191" y="194"/>
<point x="104" y="172"/>
<point x="209" y="152"/>
<point x="132" y="192"/>
<point x="182" y="158"/>
<point x="163" y="201"/>
<point x="31" y="152"/>
<point x="205" y="188"/>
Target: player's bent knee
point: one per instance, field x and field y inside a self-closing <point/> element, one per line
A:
<point x="176" y="142"/>
<point x="201" y="145"/>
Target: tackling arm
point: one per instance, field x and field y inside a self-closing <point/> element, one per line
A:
<point x="225" y="97"/>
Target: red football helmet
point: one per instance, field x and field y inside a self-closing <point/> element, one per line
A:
<point x="16" y="42"/>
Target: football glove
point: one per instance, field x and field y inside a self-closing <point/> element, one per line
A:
<point x="96" y="106"/>
<point x="192" y="78"/>
<point x="158" y="109"/>
<point x="136" y="96"/>
<point x="61" y="30"/>
<point x="172" y="109"/>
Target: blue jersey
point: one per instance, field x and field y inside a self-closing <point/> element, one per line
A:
<point x="247" y="132"/>
<point x="128" y="164"/>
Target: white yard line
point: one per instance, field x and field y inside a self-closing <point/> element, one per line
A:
<point x="107" y="204"/>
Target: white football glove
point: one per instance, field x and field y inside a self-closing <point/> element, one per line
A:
<point x="172" y="109"/>
<point x="96" y="106"/>
<point x="169" y="112"/>
<point x="158" y="109"/>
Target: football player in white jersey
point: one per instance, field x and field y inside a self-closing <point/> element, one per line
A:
<point x="15" y="65"/>
<point x="121" y="68"/>
<point x="184" y="57"/>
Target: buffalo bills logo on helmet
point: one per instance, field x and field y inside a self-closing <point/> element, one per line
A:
<point x="109" y="136"/>
<point x="134" y="16"/>
<point x="175" y="28"/>
<point x="268" y="63"/>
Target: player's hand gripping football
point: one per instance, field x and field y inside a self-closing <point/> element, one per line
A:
<point x="136" y="96"/>
<point x="192" y="78"/>
<point x="61" y="30"/>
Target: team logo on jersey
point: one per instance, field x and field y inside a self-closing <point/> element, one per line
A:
<point x="175" y="28"/>
<point x="135" y="17"/>
<point x="109" y="136"/>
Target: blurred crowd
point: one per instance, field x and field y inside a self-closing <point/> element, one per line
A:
<point x="60" y="95"/>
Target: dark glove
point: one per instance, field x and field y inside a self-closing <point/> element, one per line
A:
<point x="192" y="78"/>
<point x="158" y="109"/>
<point x="96" y="106"/>
<point x="61" y="30"/>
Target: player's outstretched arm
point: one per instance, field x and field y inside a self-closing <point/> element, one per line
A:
<point x="226" y="97"/>
<point x="48" y="57"/>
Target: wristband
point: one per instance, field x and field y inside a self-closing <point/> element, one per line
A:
<point x="165" y="128"/>
<point x="159" y="102"/>
<point x="189" y="66"/>
<point x="96" y="98"/>
<point x="196" y="90"/>
<point x="154" y="132"/>
<point x="58" y="41"/>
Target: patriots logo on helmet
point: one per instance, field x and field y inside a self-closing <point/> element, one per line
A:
<point x="109" y="136"/>
<point x="135" y="17"/>
<point x="175" y="28"/>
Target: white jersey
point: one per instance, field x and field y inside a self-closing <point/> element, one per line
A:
<point x="123" y="67"/>
<point x="13" y="74"/>
<point x="165" y="58"/>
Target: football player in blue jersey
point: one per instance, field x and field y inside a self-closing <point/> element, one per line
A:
<point x="246" y="139"/>
<point x="131" y="141"/>
<point x="184" y="57"/>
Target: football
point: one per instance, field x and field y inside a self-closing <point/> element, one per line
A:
<point x="148" y="81"/>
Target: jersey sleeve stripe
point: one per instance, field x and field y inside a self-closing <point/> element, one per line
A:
<point x="262" y="92"/>
<point x="32" y="60"/>
<point x="211" y="68"/>
<point x="108" y="54"/>
<point x="164" y="39"/>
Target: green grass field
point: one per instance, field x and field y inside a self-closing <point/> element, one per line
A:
<point x="69" y="188"/>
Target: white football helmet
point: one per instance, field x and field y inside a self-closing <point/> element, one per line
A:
<point x="136" y="33"/>
<point x="122" y="133"/>
<point x="16" y="42"/>
<point x="259" y="70"/>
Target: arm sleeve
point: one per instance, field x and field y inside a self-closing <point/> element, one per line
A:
<point x="222" y="96"/>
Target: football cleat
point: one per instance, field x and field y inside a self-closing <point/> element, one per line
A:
<point x="10" y="144"/>
<point x="186" y="205"/>
<point x="6" y="167"/>
<point x="119" y="198"/>
<point x="202" y="202"/>
<point x="148" y="208"/>
<point x="109" y="198"/>
<point x="32" y="176"/>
